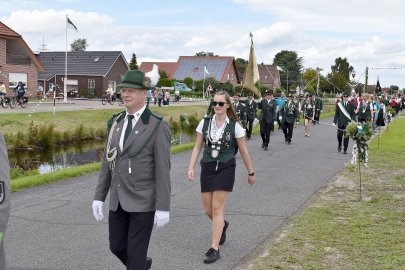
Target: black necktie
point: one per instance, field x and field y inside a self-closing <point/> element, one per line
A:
<point x="129" y="127"/>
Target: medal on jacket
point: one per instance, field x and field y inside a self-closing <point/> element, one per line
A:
<point x="215" y="149"/>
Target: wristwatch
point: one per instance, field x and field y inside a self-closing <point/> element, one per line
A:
<point x="251" y="174"/>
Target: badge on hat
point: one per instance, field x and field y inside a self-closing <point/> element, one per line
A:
<point x="2" y="192"/>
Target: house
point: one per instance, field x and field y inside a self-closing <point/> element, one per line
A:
<point x="222" y="68"/>
<point x="168" y="67"/>
<point x="88" y="72"/>
<point x="269" y="76"/>
<point x="17" y="62"/>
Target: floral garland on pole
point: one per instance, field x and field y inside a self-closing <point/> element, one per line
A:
<point x="360" y="134"/>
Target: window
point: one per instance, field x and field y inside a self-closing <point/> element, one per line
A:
<point x="91" y="83"/>
<point x="14" y="78"/>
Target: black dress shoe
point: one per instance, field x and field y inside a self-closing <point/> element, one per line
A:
<point x="344" y="151"/>
<point x="289" y="142"/>
<point x="148" y="263"/>
<point x="266" y="148"/>
<point x="262" y="145"/>
<point x="223" y="236"/>
<point x="211" y="256"/>
<point x="339" y="148"/>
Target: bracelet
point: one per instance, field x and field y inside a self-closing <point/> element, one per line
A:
<point x="251" y="174"/>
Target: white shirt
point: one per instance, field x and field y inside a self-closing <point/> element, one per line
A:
<point x="134" y="121"/>
<point x="239" y="130"/>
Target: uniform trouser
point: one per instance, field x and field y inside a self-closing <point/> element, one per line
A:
<point x="288" y="130"/>
<point x="265" y="129"/>
<point x="249" y="127"/>
<point x="278" y="120"/>
<point x="129" y="235"/>
<point x="316" y="116"/>
<point x="340" y="133"/>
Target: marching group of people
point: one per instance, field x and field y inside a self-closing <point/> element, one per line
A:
<point x="136" y="165"/>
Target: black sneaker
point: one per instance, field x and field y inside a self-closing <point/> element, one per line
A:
<point x="148" y="263"/>
<point x="211" y="256"/>
<point x="223" y="236"/>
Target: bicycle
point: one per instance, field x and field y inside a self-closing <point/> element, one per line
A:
<point x="5" y="102"/>
<point x="107" y="99"/>
<point x="22" y="101"/>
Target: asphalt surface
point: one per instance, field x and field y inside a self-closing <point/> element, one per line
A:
<point x="52" y="227"/>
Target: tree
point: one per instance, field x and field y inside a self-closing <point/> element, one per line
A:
<point x="133" y="65"/>
<point x="339" y="82"/>
<point x="343" y="67"/>
<point x="310" y="77"/>
<point x="188" y="81"/>
<point x="204" y="54"/>
<point x="241" y="66"/>
<point x="291" y="64"/>
<point x="163" y="74"/>
<point x="394" y="88"/>
<point x="79" y="45"/>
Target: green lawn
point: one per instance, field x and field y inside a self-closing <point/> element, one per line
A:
<point x="70" y="120"/>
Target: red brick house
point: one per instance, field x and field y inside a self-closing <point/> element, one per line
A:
<point x="17" y="62"/>
<point x="88" y="73"/>
<point x="269" y="76"/>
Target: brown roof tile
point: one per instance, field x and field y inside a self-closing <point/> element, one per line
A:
<point x="7" y="31"/>
<point x="168" y="67"/>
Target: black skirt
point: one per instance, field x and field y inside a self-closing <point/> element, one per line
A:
<point x="221" y="179"/>
<point x="380" y="118"/>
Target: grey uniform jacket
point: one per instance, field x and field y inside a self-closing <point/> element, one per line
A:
<point x="4" y="197"/>
<point x="147" y="187"/>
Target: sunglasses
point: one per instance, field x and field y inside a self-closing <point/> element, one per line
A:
<point x="220" y="103"/>
<point x="345" y="96"/>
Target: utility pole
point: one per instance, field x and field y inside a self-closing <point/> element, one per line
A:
<point x="366" y="83"/>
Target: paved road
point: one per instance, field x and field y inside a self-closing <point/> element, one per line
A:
<point x="52" y="227"/>
<point x="72" y="105"/>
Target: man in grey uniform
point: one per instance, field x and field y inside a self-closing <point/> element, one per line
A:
<point x="136" y="172"/>
<point x="4" y="198"/>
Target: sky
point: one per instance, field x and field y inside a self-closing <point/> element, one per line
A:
<point x="368" y="33"/>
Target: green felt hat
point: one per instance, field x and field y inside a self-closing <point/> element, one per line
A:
<point x="135" y="79"/>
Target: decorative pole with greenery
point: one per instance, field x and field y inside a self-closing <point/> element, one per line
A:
<point x="361" y="134"/>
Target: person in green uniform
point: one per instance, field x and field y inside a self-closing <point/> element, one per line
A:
<point x="309" y="113"/>
<point x="288" y="116"/>
<point x="4" y="198"/>
<point x="251" y="110"/>
<point x="344" y="114"/>
<point x="135" y="170"/>
<point x="217" y="136"/>
<point x="363" y="110"/>
<point x="240" y="109"/>
<point x="268" y="116"/>
<point x="318" y="109"/>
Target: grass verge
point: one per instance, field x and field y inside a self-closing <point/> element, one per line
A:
<point x="341" y="231"/>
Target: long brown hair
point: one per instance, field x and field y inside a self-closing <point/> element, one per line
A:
<point x="230" y="112"/>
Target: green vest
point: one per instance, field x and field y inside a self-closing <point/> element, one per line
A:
<point x="228" y="143"/>
<point x="366" y="114"/>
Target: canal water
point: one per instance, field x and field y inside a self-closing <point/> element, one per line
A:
<point x="49" y="160"/>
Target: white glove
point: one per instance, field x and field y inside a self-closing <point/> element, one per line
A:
<point x="161" y="218"/>
<point x="280" y="117"/>
<point x="334" y="124"/>
<point x="98" y="210"/>
<point x="275" y="122"/>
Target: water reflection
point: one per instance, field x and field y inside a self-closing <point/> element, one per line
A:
<point x="66" y="156"/>
<point x="53" y="159"/>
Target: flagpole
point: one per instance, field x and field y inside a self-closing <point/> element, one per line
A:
<point x="203" y="83"/>
<point x="65" y="79"/>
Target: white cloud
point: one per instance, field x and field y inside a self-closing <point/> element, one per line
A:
<point x="368" y="34"/>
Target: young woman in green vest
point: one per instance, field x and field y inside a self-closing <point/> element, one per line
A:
<point x="218" y="134"/>
<point x="309" y="114"/>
